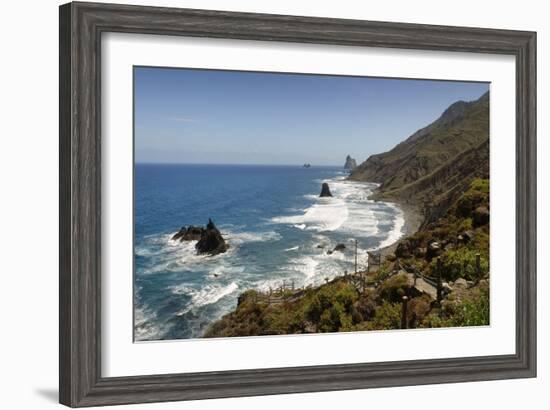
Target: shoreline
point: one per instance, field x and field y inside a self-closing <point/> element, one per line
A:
<point x="413" y="220"/>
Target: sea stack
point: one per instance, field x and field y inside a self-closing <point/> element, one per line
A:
<point x="325" y="190"/>
<point x="211" y="241"/>
<point x="350" y="163"/>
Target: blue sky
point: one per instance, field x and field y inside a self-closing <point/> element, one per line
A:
<point x="237" y="117"/>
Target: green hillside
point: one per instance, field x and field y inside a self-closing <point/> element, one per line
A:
<point x="436" y="164"/>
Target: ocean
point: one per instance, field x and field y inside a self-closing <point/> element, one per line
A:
<point x="277" y="227"/>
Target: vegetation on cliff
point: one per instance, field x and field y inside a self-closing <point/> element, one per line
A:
<point x="435" y="165"/>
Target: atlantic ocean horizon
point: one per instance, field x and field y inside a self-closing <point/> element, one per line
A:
<point x="276" y="225"/>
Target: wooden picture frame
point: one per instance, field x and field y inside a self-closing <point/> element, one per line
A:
<point x="81" y="27"/>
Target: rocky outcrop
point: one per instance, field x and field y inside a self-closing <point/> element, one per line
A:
<point x="325" y="190"/>
<point x="211" y="241"/>
<point x="340" y="247"/>
<point x="350" y="163"/>
<point x="188" y="233"/>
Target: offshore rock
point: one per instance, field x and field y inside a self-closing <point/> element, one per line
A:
<point x="325" y="190"/>
<point x="211" y="241"/>
<point x="350" y="163"/>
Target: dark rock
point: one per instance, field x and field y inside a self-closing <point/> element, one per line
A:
<point x="321" y="246"/>
<point x="391" y="257"/>
<point x="189" y="233"/>
<point x="329" y="252"/>
<point x="340" y="247"/>
<point x="211" y="241"/>
<point x="466" y="236"/>
<point x="481" y="216"/>
<point x="325" y="190"/>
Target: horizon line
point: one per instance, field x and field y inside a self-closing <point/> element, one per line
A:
<point x="234" y="163"/>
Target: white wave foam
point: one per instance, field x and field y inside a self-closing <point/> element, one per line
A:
<point x="207" y="295"/>
<point x="294" y="248"/>
<point x="397" y="230"/>
<point x="328" y="214"/>
<point x="146" y="325"/>
<point x="247" y="237"/>
<point x="306" y="265"/>
<point x="174" y="256"/>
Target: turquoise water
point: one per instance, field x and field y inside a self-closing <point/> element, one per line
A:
<point x="273" y="221"/>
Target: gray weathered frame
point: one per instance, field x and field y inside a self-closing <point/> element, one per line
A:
<point x="81" y="26"/>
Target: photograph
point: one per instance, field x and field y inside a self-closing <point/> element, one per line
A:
<point x="273" y="203"/>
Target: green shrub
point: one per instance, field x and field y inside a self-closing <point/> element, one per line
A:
<point x="334" y="318"/>
<point x="473" y="310"/>
<point x="394" y="288"/>
<point x="387" y="316"/>
<point x="476" y="195"/>
<point x="459" y="263"/>
<point x="366" y="305"/>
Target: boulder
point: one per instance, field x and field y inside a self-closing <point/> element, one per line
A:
<point x="481" y="216"/>
<point x="340" y="247"/>
<point x="189" y="233"/>
<point x="325" y="190"/>
<point x="434" y="249"/>
<point x="211" y="241"/>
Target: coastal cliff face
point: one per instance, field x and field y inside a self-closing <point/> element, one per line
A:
<point x="436" y="164"/>
<point x="350" y="163"/>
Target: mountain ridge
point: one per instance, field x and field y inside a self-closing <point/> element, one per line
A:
<point x="433" y="166"/>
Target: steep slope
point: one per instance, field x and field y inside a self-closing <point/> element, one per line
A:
<point x="437" y="163"/>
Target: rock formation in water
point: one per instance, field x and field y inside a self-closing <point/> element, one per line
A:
<point x="325" y="190"/>
<point x="188" y="233"/>
<point x="340" y="247"/>
<point x="350" y="163"/>
<point x="211" y="241"/>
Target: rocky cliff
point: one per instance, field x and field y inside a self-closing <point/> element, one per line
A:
<point x="436" y="164"/>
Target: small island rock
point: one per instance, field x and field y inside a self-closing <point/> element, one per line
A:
<point x="340" y="247"/>
<point x="211" y="241"/>
<point x="325" y="190"/>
